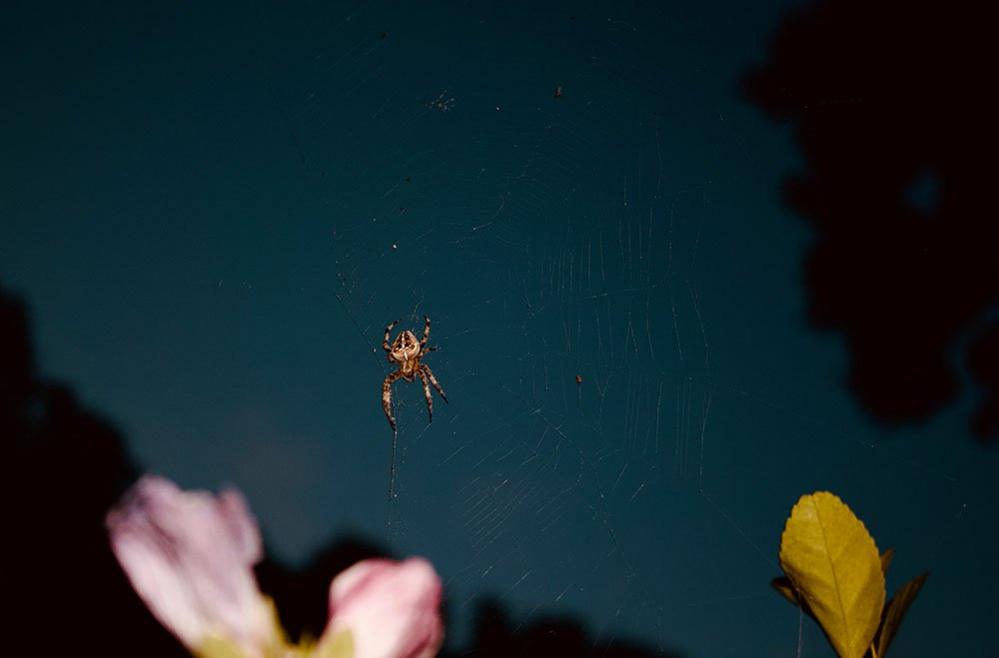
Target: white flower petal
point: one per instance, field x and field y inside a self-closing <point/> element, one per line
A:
<point x="190" y="556"/>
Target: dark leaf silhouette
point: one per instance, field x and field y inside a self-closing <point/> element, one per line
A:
<point x="887" y="104"/>
<point x="497" y="637"/>
<point x="63" y="467"/>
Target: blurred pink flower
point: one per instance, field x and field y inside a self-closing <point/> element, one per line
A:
<point x="392" y="609"/>
<point x="190" y="557"/>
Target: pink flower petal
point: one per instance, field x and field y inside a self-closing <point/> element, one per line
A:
<point x="190" y="556"/>
<point x="391" y="608"/>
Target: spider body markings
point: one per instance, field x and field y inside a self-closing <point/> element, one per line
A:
<point x="406" y="351"/>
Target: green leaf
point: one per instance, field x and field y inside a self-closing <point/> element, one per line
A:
<point x="340" y="645"/>
<point x="895" y="611"/>
<point x="886" y="558"/>
<point x="835" y="568"/>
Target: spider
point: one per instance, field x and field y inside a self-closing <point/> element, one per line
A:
<point x="407" y="351"/>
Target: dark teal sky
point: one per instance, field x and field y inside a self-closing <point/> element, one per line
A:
<point x="214" y="212"/>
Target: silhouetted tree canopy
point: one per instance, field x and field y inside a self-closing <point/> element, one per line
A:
<point x="888" y="103"/>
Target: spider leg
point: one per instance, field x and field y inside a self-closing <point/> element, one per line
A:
<point x="388" y="332"/>
<point x="426" y="394"/>
<point x="426" y="330"/>
<point x="387" y="396"/>
<point x="433" y="380"/>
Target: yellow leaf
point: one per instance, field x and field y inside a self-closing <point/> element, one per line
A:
<point x="835" y="567"/>
<point x="896" y="609"/>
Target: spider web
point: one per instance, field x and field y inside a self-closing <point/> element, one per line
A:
<point x="568" y="252"/>
<point x="635" y="399"/>
<point x="551" y="239"/>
